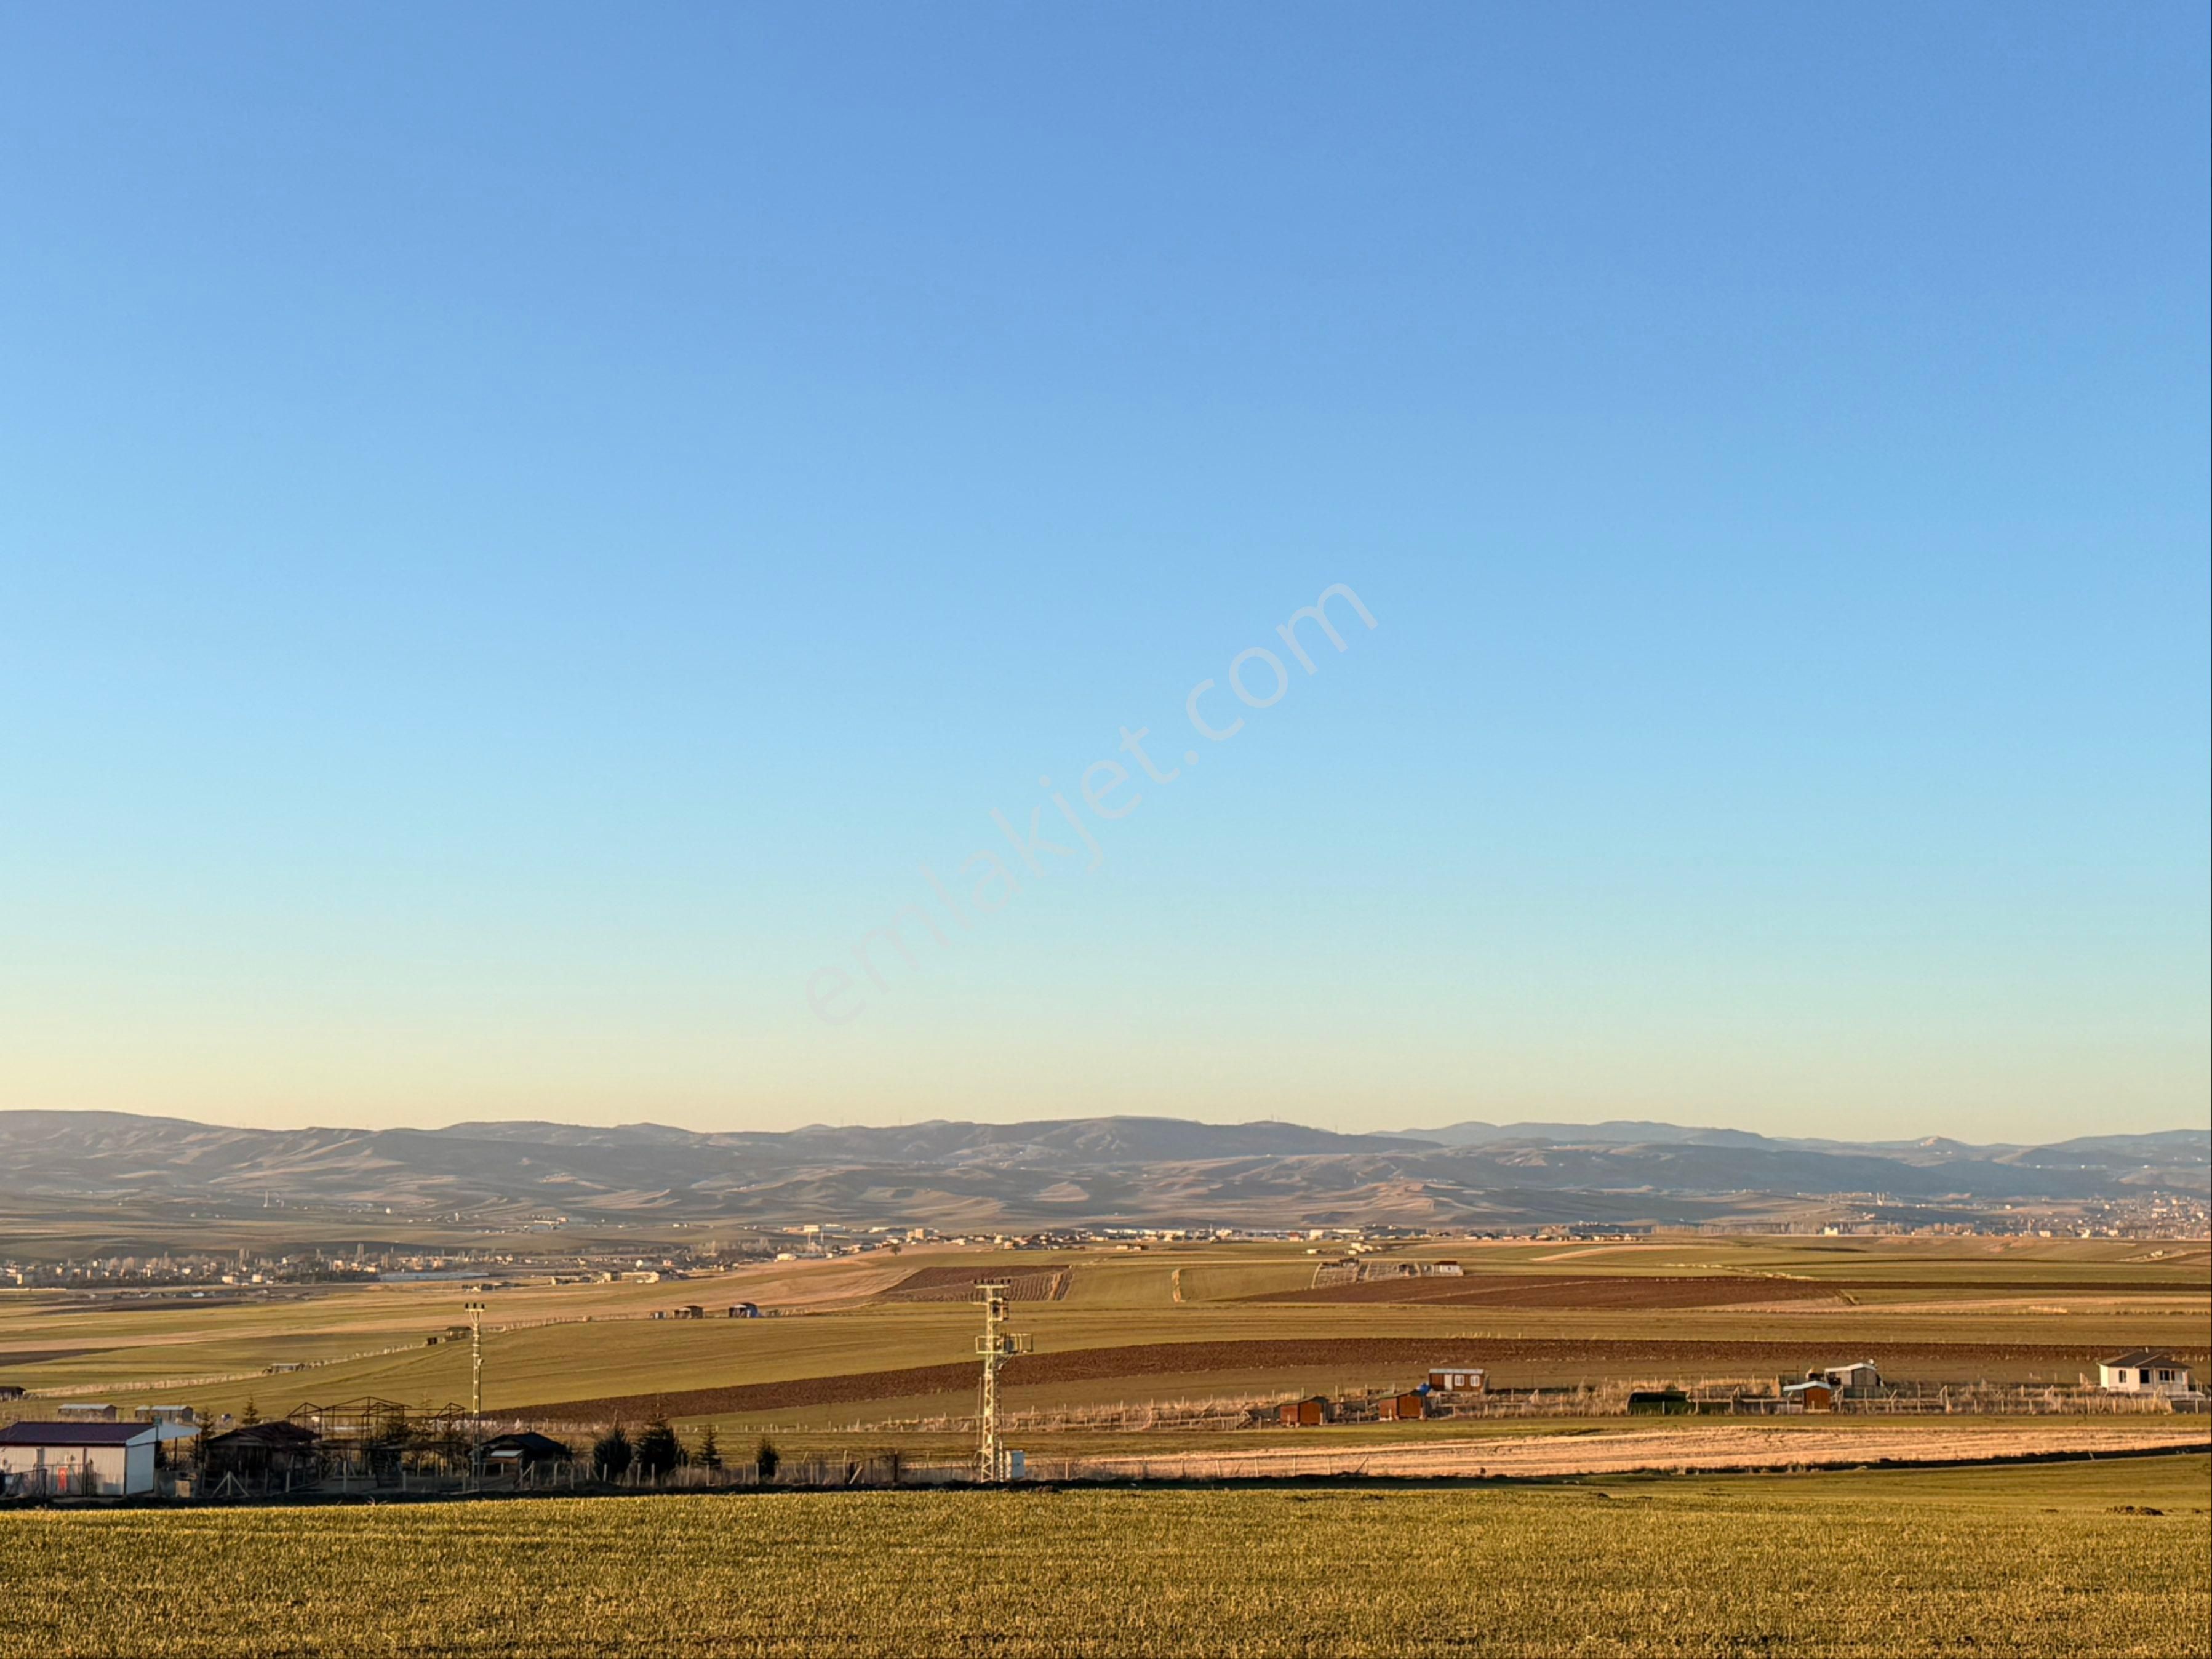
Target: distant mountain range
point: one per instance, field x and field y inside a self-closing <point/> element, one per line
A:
<point x="1081" y="1171"/>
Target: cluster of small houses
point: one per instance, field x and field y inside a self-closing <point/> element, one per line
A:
<point x="90" y="1451"/>
<point x="1452" y="1389"/>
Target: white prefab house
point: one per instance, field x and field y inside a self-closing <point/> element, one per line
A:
<point x="2143" y="1371"/>
<point x="77" y="1459"/>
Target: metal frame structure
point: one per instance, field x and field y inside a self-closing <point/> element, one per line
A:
<point x="374" y="1437"/>
<point x="997" y="1345"/>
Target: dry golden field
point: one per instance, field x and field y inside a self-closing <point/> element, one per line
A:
<point x="2044" y="1563"/>
<point x="1179" y="1322"/>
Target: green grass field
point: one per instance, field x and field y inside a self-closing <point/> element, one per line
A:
<point x="2055" y="1561"/>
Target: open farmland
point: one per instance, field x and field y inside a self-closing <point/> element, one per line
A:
<point x="2053" y="1561"/>
<point x="862" y="1339"/>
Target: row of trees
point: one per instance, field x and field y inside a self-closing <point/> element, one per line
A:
<point x="659" y="1448"/>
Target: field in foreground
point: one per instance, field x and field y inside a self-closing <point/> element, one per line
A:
<point x="2054" y="1560"/>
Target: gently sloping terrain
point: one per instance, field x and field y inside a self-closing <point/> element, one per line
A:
<point x="1537" y="1290"/>
<point x="1045" y="1284"/>
<point x="1564" y="1361"/>
<point x="1731" y="1448"/>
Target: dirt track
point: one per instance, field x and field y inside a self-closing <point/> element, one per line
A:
<point x="1556" y="1361"/>
<point x="1715" y="1448"/>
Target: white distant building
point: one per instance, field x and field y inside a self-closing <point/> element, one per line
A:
<point x="2143" y="1370"/>
<point x="72" y="1460"/>
<point x="1859" y="1374"/>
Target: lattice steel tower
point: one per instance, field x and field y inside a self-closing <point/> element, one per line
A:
<point x="997" y="1345"/>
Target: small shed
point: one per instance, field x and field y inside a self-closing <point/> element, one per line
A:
<point x="2143" y="1370"/>
<point x="1309" y="1413"/>
<point x="1859" y="1374"/>
<point x="11" y="1391"/>
<point x="77" y="1459"/>
<point x="744" y="1311"/>
<point x="510" y="1454"/>
<point x="1458" y="1379"/>
<point x="1814" y="1395"/>
<point x="1659" y="1403"/>
<point x="1401" y="1407"/>
<point x="279" y="1447"/>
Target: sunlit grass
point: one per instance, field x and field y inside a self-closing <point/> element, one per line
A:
<point x="2027" y="1563"/>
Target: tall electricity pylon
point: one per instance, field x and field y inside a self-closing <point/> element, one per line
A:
<point x="997" y="1345"/>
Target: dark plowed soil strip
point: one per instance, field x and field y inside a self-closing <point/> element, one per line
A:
<point x="1534" y="1291"/>
<point x="945" y="1279"/>
<point x="1552" y="1361"/>
<point x="958" y="1283"/>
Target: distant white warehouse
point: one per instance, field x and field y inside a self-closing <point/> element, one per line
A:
<point x="77" y="1459"/>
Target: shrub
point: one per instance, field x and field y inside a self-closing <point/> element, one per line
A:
<point x="658" y="1450"/>
<point x="611" y="1456"/>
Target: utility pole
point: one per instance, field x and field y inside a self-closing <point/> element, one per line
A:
<point x="476" y="1357"/>
<point x="475" y="1392"/>
<point x="997" y="1345"/>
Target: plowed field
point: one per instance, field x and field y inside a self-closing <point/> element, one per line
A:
<point x="1556" y="1361"/>
<point x="1538" y="1291"/>
<point x="958" y="1283"/>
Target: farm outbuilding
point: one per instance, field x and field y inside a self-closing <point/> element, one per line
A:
<point x="1859" y="1374"/>
<point x="1457" y="1379"/>
<point x="260" y="1450"/>
<point x="744" y="1311"/>
<point x="1659" y="1403"/>
<point x="1814" y="1395"/>
<point x="11" y="1391"/>
<point x="1401" y="1407"/>
<point x="73" y="1459"/>
<point x="1309" y="1413"/>
<point x="511" y="1454"/>
<point x="2143" y="1370"/>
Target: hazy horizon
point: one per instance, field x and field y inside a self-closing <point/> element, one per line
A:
<point x="1438" y="1126"/>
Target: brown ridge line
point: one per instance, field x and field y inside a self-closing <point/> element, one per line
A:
<point x="1156" y="1358"/>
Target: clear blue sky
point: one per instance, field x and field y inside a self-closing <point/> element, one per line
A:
<point x="522" y="528"/>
